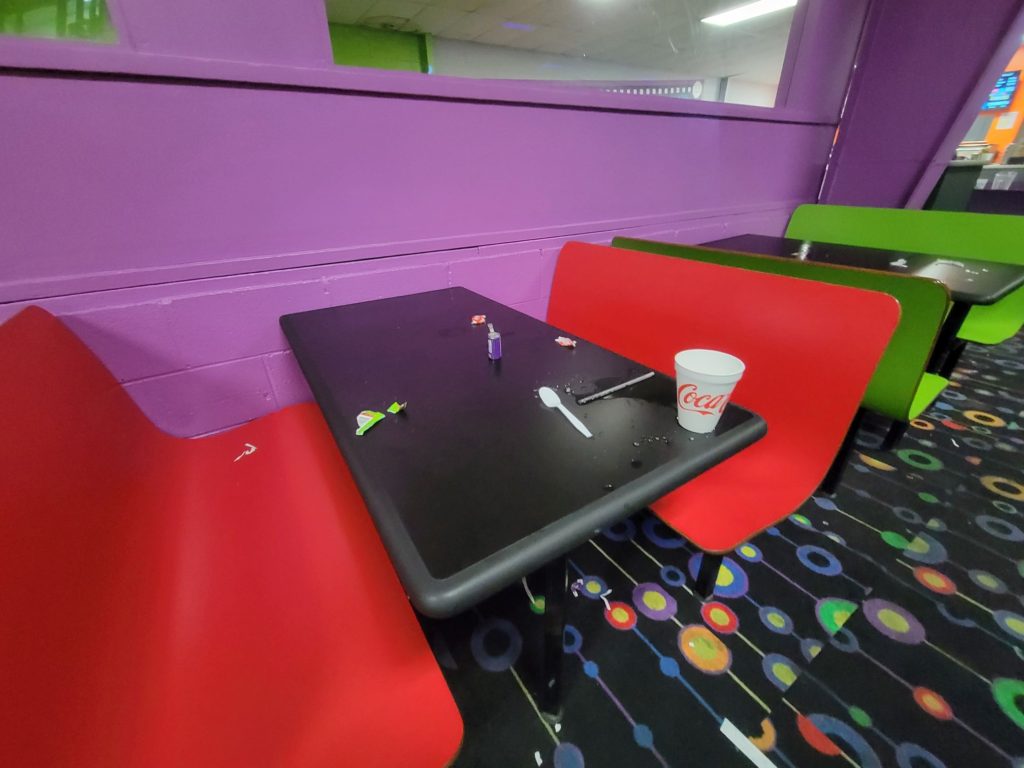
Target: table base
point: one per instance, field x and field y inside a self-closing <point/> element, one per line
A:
<point x="707" y="575"/>
<point x="555" y="578"/>
<point x="945" y="343"/>
<point x="952" y="358"/>
<point x="835" y="472"/>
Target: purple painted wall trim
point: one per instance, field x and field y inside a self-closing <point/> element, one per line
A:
<point x="159" y="181"/>
<point x="921" y="62"/>
<point x="204" y="355"/>
<point x="823" y="42"/>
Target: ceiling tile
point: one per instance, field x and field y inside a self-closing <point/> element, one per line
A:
<point x="472" y="25"/>
<point x="502" y="36"/>
<point x="549" y="14"/>
<point x="346" y="11"/>
<point x="402" y="9"/>
<point x="460" y="5"/>
<point x="435" y="21"/>
<point x="510" y="9"/>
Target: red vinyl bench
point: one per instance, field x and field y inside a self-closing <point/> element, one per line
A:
<point x="176" y="602"/>
<point x="810" y="349"/>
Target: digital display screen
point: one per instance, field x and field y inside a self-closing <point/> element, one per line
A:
<point x="1002" y="94"/>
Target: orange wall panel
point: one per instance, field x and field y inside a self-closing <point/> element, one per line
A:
<point x="1003" y="137"/>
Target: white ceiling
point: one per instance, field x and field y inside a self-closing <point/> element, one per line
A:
<point x="655" y="34"/>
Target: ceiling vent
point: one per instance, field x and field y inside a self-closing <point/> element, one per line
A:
<point x="392" y="23"/>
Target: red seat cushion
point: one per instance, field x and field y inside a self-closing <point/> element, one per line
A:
<point x="172" y="602"/>
<point x="810" y="350"/>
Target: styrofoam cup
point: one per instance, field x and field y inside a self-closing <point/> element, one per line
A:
<point x="705" y="378"/>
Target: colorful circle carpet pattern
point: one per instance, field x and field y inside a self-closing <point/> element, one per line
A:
<point x="884" y="627"/>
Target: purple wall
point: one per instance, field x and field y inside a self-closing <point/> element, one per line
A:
<point x="164" y="181"/>
<point x="172" y="221"/>
<point x="923" y="64"/>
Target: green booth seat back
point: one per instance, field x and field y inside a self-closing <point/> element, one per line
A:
<point x="900" y="388"/>
<point x="952" y="234"/>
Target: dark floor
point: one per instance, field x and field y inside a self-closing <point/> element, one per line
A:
<point x="884" y="627"/>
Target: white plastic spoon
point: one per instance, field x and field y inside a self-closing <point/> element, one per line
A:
<point x="550" y="398"/>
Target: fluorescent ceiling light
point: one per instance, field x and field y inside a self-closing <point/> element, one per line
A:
<point x="748" y="11"/>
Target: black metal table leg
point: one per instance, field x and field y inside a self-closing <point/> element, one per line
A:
<point x="950" y="363"/>
<point x="707" y="575"/>
<point x="947" y="335"/>
<point x="835" y="472"/>
<point x="556" y="580"/>
<point x="894" y="435"/>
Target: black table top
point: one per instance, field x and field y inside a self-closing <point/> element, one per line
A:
<point x="973" y="281"/>
<point x="477" y="483"/>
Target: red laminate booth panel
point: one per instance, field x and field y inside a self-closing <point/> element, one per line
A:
<point x="810" y="349"/>
<point x="192" y="602"/>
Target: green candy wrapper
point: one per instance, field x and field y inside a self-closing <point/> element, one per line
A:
<point x="367" y="419"/>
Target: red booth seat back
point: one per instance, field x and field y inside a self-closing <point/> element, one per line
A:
<point x="71" y="421"/>
<point x="173" y="602"/>
<point x="810" y="350"/>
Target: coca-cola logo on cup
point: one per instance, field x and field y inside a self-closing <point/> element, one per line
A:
<point x="690" y="399"/>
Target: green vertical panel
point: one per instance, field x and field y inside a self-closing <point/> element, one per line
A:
<point x="379" y="48"/>
<point x="427" y="53"/>
<point x="76" y="19"/>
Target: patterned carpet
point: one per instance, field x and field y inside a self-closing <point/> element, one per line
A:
<point x="884" y="627"/>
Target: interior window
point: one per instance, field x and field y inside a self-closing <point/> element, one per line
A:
<point x="714" y="50"/>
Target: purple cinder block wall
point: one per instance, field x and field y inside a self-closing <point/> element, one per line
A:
<point x="923" y="71"/>
<point x="202" y="178"/>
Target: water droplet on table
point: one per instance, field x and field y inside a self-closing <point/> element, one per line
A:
<point x="636" y="463"/>
<point x="636" y="443"/>
<point x="608" y="487"/>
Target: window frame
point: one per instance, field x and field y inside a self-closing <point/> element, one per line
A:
<point x="121" y="58"/>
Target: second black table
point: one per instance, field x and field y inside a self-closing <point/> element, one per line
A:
<point x="970" y="282"/>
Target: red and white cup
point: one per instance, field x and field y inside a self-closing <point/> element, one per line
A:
<point x="705" y="378"/>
